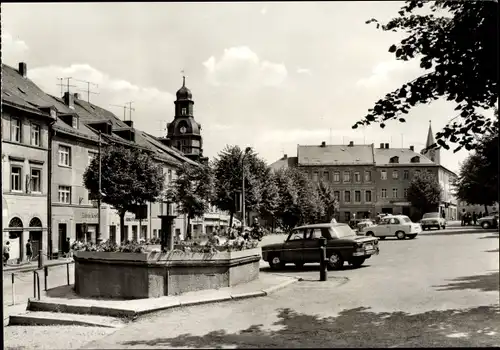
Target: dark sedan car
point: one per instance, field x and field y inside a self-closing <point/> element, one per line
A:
<point x="302" y="246"/>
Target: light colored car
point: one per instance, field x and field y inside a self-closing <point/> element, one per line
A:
<point x="490" y="221"/>
<point x="430" y="220"/>
<point x="394" y="225"/>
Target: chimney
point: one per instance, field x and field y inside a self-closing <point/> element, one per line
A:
<point x="69" y="100"/>
<point x="76" y="96"/>
<point x="386" y="146"/>
<point x="129" y="123"/>
<point x="323" y="144"/>
<point x="351" y="143"/>
<point x="23" y="69"/>
<point x="381" y="145"/>
<point x="285" y="156"/>
<point x="412" y="148"/>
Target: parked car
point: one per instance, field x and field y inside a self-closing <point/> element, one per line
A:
<point x="394" y="225"/>
<point x="430" y="220"/>
<point x="363" y="224"/>
<point x="302" y="246"/>
<point x="490" y="221"/>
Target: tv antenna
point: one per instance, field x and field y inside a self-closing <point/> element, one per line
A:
<point x="125" y="109"/>
<point x="88" y="88"/>
<point x="63" y="85"/>
<point x="130" y="109"/>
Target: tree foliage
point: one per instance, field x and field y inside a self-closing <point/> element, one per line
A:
<point x="457" y="44"/>
<point x="328" y="200"/>
<point x="424" y="192"/>
<point x="477" y="182"/>
<point x="192" y="190"/>
<point x="128" y="178"/>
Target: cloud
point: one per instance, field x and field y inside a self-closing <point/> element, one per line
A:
<point x="241" y="67"/>
<point x="13" y="50"/>
<point x="303" y="71"/>
<point x="150" y="103"/>
<point x="384" y="72"/>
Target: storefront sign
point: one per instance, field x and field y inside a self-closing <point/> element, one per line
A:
<point x="403" y="204"/>
<point x="89" y="215"/>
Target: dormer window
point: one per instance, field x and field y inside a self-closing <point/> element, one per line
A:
<point x="75" y="122"/>
<point x="184" y="111"/>
<point x="394" y="159"/>
<point x="415" y="159"/>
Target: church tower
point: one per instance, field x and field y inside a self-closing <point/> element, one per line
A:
<point x="184" y="133"/>
<point x="432" y="154"/>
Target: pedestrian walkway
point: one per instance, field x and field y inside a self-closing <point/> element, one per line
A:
<point x="33" y="265"/>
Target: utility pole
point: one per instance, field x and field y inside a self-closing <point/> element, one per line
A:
<point x="88" y="88"/>
<point x="98" y="234"/>
<point x="67" y="84"/>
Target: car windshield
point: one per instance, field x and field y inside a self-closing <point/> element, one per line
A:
<point x="430" y="216"/>
<point x="344" y="231"/>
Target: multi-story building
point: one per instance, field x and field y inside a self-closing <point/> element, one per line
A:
<point x="26" y="118"/>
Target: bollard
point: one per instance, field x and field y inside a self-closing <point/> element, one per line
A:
<point x="67" y="272"/>
<point x="323" y="268"/>
<point x="34" y="284"/>
<point x="13" y="291"/>
<point x="40" y="259"/>
<point x="46" y="272"/>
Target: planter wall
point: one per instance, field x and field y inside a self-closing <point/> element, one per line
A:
<point x="150" y="275"/>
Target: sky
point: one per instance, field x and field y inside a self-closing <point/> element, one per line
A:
<point x="265" y="75"/>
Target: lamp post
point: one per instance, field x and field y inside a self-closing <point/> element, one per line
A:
<point x="167" y="217"/>
<point x="98" y="233"/>
<point x="247" y="152"/>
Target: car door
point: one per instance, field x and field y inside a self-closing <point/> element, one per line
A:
<point x="383" y="229"/>
<point x="294" y="246"/>
<point x="311" y="245"/>
<point x="394" y="226"/>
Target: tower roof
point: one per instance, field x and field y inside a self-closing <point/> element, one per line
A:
<point x="430" y="136"/>
<point x="184" y="93"/>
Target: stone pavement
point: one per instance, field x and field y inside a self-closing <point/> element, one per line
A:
<point x="33" y="265"/>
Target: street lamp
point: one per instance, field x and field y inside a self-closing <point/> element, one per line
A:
<point x="247" y="152"/>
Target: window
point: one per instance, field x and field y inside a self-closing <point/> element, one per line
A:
<point x="184" y="111"/>
<point x="383" y="175"/>
<point x="347" y="176"/>
<point x="74" y="122"/>
<point x="368" y="176"/>
<point x="36" y="178"/>
<point x="326" y="176"/>
<point x="394" y="159"/>
<point x="15" y="179"/>
<point x="35" y="135"/>
<point x="347" y="196"/>
<point x="64" y="155"/>
<point x="336" y="195"/>
<point x="415" y="159"/>
<point x="394" y="193"/>
<point x="314" y="233"/>
<point x="134" y="233"/>
<point x="406" y="192"/>
<point x="357" y="176"/>
<point x="395" y="174"/>
<point x="315" y="176"/>
<point x="169" y="175"/>
<point x="92" y="155"/>
<point x="336" y="176"/>
<point x="112" y="233"/>
<point x="357" y="196"/>
<point x="15" y="130"/>
<point x="65" y="194"/>
<point x="296" y="235"/>
<point x="368" y="196"/>
<point x="144" y="232"/>
<point x="155" y="234"/>
<point x="429" y="171"/>
<point x="406" y="175"/>
<point x="383" y="194"/>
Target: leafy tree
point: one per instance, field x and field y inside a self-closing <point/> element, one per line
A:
<point x="270" y="196"/>
<point x="128" y="178"/>
<point x="457" y="44"/>
<point x="192" y="190"/>
<point x="477" y="182"/>
<point x="424" y="192"/>
<point x="328" y="200"/>
<point x="228" y="173"/>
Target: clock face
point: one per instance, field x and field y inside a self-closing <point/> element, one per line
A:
<point x="183" y="130"/>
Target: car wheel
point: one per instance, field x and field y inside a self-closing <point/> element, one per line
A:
<point x="275" y="262"/>
<point x="370" y="234"/>
<point x="357" y="262"/>
<point x="412" y="236"/>
<point x="400" y="235"/>
<point x="485" y="225"/>
<point x="444" y="227"/>
<point x="424" y="228"/>
<point x="335" y="261"/>
<point x="299" y="265"/>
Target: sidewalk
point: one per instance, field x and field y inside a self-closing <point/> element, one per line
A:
<point x="33" y="265"/>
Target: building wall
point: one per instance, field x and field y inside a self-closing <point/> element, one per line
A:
<point x="24" y="204"/>
<point x="448" y="203"/>
<point x="347" y="208"/>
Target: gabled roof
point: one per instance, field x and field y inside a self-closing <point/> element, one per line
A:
<point x="335" y="155"/>
<point x="383" y="156"/>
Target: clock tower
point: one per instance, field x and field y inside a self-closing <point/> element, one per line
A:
<point x="184" y="133"/>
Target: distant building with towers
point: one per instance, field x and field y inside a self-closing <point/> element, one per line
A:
<point x="184" y="132"/>
<point x="431" y="153"/>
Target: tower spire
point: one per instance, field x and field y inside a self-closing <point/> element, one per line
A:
<point x="430" y="136"/>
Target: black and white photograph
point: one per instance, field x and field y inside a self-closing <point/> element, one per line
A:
<point x="315" y="174"/>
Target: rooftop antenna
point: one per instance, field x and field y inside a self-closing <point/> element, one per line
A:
<point x="67" y="84"/>
<point x="88" y="88"/>
<point x="124" y="110"/>
<point x="130" y="109"/>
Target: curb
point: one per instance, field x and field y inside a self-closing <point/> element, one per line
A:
<point x="280" y="286"/>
